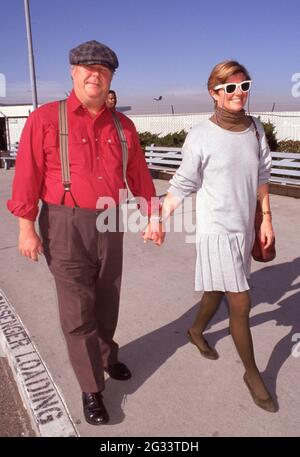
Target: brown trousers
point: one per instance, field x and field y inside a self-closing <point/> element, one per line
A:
<point x="87" y="268"/>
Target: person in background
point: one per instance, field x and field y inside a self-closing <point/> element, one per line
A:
<point x="86" y="264"/>
<point x="227" y="161"/>
<point x="111" y="100"/>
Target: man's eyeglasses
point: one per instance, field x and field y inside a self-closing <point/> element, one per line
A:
<point x="230" y="88"/>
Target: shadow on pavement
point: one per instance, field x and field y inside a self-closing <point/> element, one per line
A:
<point x="147" y="353"/>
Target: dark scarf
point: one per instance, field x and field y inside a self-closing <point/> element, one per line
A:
<point x="236" y="122"/>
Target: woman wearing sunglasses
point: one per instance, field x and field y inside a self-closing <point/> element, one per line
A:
<point x="227" y="161"/>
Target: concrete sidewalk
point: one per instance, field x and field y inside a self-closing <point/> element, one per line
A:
<point x="174" y="391"/>
<point x="14" y="418"/>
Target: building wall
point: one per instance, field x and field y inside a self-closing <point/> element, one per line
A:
<point x="16" y="125"/>
<point x="16" y="117"/>
<point x="16" y="110"/>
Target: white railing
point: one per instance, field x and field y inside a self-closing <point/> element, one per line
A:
<point x="285" y="165"/>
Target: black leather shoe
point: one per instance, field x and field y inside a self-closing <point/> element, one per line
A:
<point x="119" y="371"/>
<point x="93" y="407"/>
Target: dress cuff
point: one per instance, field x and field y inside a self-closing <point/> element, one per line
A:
<point x="177" y="193"/>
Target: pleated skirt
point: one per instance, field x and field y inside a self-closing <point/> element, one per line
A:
<point x="223" y="262"/>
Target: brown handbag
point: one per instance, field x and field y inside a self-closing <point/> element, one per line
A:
<point x="259" y="253"/>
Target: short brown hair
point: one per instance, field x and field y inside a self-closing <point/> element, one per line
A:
<point x="223" y="70"/>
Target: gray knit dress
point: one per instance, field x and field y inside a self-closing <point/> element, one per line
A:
<point x="225" y="169"/>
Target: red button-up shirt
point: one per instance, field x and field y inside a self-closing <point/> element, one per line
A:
<point x="95" y="157"/>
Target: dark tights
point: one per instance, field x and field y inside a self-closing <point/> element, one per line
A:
<point x="239" y="310"/>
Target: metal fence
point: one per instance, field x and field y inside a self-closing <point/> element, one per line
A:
<point x="287" y="124"/>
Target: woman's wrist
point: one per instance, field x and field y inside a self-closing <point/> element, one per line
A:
<point x="266" y="216"/>
<point x="156" y="219"/>
<point x="267" y="219"/>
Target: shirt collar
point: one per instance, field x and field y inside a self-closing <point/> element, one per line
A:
<point x="74" y="103"/>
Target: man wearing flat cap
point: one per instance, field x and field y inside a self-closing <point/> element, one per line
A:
<point x="86" y="264"/>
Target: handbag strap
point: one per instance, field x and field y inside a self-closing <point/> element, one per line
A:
<point x="258" y="203"/>
<point x="64" y="149"/>
<point x="256" y="134"/>
<point x="256" y="131"/>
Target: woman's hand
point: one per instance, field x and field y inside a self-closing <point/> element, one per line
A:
<point x="267" y="235"/>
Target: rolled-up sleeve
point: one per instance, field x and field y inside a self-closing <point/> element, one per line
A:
<point x="187" y="179"/>
<point x="29" y="171"/>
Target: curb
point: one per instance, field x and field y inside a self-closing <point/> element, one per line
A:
<point x="45" y="405"/>
<point x="288" y="190"/>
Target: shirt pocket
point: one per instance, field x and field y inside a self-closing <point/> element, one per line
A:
<point x="80" y="150"/>
<point x="110" y="149"/>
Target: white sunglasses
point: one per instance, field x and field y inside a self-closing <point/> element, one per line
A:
<point x="230" y="88"/>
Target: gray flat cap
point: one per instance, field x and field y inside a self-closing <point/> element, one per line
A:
<point x="93" y="52"/>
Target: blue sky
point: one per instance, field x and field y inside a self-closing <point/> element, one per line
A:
<point x="165" y="47"/>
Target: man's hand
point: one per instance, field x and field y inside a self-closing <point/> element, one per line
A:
<point x="155" y="232"/>
<point x="30" y="244"/>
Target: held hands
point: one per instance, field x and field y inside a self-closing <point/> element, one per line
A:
<point x="30" y="244"/>
<point x="155" y="229"/>
<point x="155" y="232"/>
